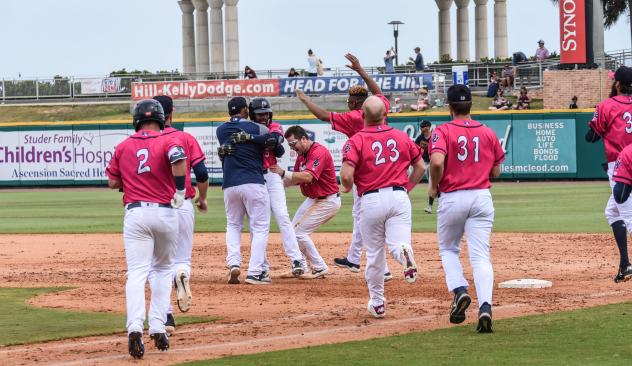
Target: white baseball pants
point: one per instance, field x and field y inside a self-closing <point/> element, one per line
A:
<point x="184" y="246"/>
<point x="614" y="211"/>
<point x="308" y="218"/>
<point x="470" y="212"/>
<point x="385" y="218"/>
<point x="150" y="235"/>
<point x="251" y="199"/>
<point x="354" y="255"/>
<point x="278" y="205"/>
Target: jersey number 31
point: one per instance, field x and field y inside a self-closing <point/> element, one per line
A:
<point x="463" y="151"/>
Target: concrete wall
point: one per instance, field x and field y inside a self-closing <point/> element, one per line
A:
<point x="590" y="87"/>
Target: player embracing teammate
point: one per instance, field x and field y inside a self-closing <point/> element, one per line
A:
<point x="613" y="123"/>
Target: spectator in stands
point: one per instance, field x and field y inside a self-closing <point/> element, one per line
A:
<point x="418" y="60"/>
<point x="397" y="106"/>
<point x="293" y="73"/>
<point x="312" y="61"/>
<point x="523" y="100"/>
<point x="573" y="104"/>
<point x="493" y="85"/>
<point x="518" y="57"/>
<point x="249" y="73"/>
<point x="508" y="77"/>
<point x="500" y="103"/>
<point x="389" y="68"/>
<point x="541" y="52"/>
<point x="423" y="102"/>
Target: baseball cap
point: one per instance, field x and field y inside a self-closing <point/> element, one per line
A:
<point x="236" y="104"/>
<point x="624" y="75"/>
<point x="166" y="102"/>
<point x="540" y="41"/>
<point x="459" y="93"/>
<point x="417" y="48"/>
<point x="425" y="123"/>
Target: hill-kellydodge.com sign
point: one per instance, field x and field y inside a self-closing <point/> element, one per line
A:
<point x="202" y="89"/>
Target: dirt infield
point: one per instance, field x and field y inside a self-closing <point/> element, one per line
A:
<point x="293" y="313"/>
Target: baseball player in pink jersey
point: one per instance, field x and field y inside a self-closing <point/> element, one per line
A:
<point x="150" y="167"/>
<point x="377" y="159"/>
<point x="463" y="156"/>
<point x="613" y="123"/>
<point x="349" y="123"/>
<point x="314" y="171"/>
<point x="260" y="111"/>
<point x="186" y="216"/>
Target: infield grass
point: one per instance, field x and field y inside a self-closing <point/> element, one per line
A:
<point x="593" y="336"/>
<point x="24" y="323"/>
<point x="520" y="207"/>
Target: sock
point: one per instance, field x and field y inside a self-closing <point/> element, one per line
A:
<point x="621" y="236"/>
<point x="430" y="200"/>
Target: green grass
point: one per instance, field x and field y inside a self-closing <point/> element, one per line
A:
<point x="120" y="111"/>
<point x="594" y="336"/>
<point x="520" y="207"/>
<point x="23" y="323"/>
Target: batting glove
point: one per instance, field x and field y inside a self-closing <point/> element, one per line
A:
<point x="241" y="137"/>
<point x="178" y="199"/>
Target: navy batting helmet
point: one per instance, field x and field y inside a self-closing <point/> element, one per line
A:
<point x="259" y="105"/>
<point x="148" y="110"/>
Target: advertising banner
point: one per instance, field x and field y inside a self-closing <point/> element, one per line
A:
<point x="100" y="86"/>
<point x="573" y="36"/>
<point x="275" y="87"/>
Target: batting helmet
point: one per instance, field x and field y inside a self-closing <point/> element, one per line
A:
<point x="148" y="110"/>
<point x="259" y="105"/>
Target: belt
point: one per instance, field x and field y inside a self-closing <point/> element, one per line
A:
<point x="132" y="205"/>
<point x="323" y="197"/>
<point x="396" y="188"/>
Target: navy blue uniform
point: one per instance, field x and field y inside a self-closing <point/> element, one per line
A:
<point x="245" y="165"/>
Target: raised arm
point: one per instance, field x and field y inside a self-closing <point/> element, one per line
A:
<point x="318" y="111"/>
<point x="357" y="67"/>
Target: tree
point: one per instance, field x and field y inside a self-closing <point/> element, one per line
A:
<point x="613" y="10"/>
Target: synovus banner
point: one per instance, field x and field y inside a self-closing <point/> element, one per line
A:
<point x="573" y="37"/>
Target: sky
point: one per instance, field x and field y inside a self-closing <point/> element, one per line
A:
<point x="43" y="38"/>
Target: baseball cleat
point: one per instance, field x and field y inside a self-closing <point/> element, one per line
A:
<point x="160" y="340"/>
<point x="135" y="345"/>
<point x="183" y="291"/>
<point x="624" y="274"/>
<point x="320" y="273"/>
<point x="485" y="319"/>
<point x="376" y="311"/>
<point x="410" y="268"/>
<point x="388" y="276"/>
<point x="170" y="325"/>
<point x="428" y="209"/>
<point x="344" y="263"/>
<point x="261" y="279"/>
<point x="297" y="269"/>
<point x="461" y="301"/>
<point x="233" y="275"/>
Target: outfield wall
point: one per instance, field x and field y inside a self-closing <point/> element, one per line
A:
<point x="541" y="145"/>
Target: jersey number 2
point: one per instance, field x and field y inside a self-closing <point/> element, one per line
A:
<point x="378" y="148"/>
<point x="462" y="141"/>
<point x="143" y="156"/>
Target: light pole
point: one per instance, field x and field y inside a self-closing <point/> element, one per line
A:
<point x="395" y="24"/>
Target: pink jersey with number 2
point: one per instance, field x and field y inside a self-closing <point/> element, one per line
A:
<point x="381" y="156"/>
<point x="471" y="151"/>
<point x="141" y="163"/>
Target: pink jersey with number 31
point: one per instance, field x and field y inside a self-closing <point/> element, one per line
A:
<point x="142" y="163"/>
<point x="471" y="151"/>
<point x="381" y="156"/>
